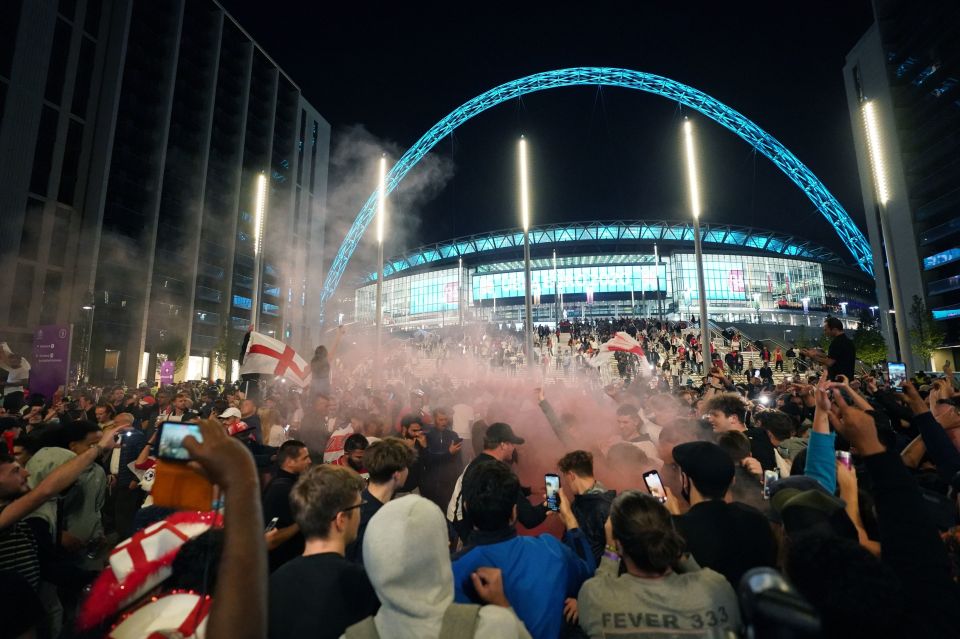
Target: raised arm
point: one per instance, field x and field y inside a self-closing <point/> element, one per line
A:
<point x="56" y="482"/>
<point x="239" y="610"/>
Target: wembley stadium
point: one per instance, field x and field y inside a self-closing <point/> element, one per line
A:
<point x="603" y="269"/>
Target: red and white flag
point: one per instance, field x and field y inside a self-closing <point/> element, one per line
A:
<point x="268" y="356"/>
<point x="623" y="342"/>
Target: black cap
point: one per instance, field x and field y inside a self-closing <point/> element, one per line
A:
<point x="705" y="463"/>
<point x="500" y="432"/>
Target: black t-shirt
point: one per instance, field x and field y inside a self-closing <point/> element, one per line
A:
<point x="319" y="596"/>
<point x="276" y="503"/>
<point x="729" y="538"/>
<point x="844" y="356"/>
<point x="369" y="508"/>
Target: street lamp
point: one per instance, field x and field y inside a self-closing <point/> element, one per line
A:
<point x="694" y="187"/>
<point x="656" y="259"/>
<point x="90" y="308"/>
<point x="873" y="310"/>
<point x="381" y="222"/>
<point x="877" y="164"/>
<point x="260" y="212"/>
<point x="556" y="290"/>
<point x="525" y="218"/>
<point x="843" y="308"/>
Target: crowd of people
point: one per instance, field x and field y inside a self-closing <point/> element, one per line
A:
<point x="825" y="504"/>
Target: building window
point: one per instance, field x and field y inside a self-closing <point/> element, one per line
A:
<point x="22" y="295"/>
<point x="43" y="152"/>
<point x="32" y="227"/>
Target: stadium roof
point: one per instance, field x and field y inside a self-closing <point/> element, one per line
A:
<point x="626" y="234"/>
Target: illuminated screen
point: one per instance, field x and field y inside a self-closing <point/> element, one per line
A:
<point x="599" y="279"/>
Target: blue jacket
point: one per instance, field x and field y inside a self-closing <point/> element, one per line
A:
<point x="538" y="574"/>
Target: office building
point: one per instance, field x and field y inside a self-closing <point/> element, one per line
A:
<point x="133" y="136"/>
<point x="907" y="68"/>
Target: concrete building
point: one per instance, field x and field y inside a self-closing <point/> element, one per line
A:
<point x="907" y="67"/>
<point x="133" y="134"/>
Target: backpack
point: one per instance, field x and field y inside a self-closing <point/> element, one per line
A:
<point x="459" y="620"/>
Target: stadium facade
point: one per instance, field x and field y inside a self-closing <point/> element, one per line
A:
<point x="610" y="268"/>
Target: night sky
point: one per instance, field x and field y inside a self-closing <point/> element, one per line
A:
<point x="398" y="68"/>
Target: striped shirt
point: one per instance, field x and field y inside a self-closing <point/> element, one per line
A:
<point x="18" y="551"/>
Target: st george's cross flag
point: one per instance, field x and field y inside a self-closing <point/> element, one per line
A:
<point x="268" y="356"/>
<point x="621" y="341"/>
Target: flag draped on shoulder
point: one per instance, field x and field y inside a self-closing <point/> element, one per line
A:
<point x="268" y="356"/>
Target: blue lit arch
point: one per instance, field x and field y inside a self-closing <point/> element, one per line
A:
<point x="851" y="236"/>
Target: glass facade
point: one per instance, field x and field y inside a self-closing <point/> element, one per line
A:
<point x="744" y="280"/>
<point x="596" y="279"/>
<point x="732" y="281"/>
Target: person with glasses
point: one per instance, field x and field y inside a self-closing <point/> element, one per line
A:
<point x="320" y="593"/>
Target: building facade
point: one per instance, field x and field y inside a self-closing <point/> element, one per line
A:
<point x="137" y="216"/>
<point x="907" y="67"/>
<point x="608" y="268"/>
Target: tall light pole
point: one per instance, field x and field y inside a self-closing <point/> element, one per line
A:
<point x="460" y="289"/>
<point x="875" y="151"/>
<point x="556" y="290"/>
<point x="381" y="222"/>
<point x="694" y="187"/>
<point x="525" y="218"/>
<point x="656" y="258"/>
<point x="259" y="218"/>
<point x="89" y="308"/>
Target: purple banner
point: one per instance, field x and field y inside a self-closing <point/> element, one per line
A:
<point x="51" y="359"/>
<point x="166" y="372"/>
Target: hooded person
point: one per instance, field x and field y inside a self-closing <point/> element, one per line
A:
<point x="405" y="553"/>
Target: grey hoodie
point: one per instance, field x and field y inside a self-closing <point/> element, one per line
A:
<point x="406" y="557"/>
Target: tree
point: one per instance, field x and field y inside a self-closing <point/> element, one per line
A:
<point x="870" y="346"/>
<point x="174" y="348"/>
<point x="925" y="335"/>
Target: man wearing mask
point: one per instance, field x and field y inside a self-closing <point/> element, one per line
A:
<point x="443" y="465"/>
<point x="411" y="431"/>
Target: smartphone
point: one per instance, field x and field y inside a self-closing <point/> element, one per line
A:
<point x="171" y="440"/>
<point x="553" y="489"/>
<point x="272" y="524"/>
<point x="845" y="458"/>
<point x="655" y="485"/>
<point x="898" y="375"/>
<point x="769" y="476"/>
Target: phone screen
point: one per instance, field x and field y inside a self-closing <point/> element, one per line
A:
<point x="898" y="375"/>
<point x="553" y="488"/>
<point x="769" y="476"/>
<point x="655" y="485"/>
<point x="171" y="440"/>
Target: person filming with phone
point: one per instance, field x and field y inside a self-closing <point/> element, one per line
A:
<point x="558" y="567"/>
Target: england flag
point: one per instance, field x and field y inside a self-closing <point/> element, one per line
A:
<point x="268" y="356"/>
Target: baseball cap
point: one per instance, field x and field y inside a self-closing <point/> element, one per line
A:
<point x="705" y="463"/>
<point x="500" y="432"/>
<point x="230" y="412"/>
